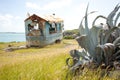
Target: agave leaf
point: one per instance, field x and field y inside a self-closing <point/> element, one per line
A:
<point x="86" y="21"/>
<point x="82" y="41"/>
<point x="117" y="57"/>
<point x="104" y="53"/>
<point x="116" y="19"/>
<point x="76" y="66"/>
<point x="107" y="34"/>
<point x="94" y="42"/>
<point x="116" y="54"/>
<point x="111" y="16"/>
<point x="67" y="62"/>
<point x="100" y="16"/>
<point x="89" y="37"/>
<point x="75" y="54"/>
<point x="83" y="54"/>
<point x="90" y="41"/>
<point x="81" y="28"/>
<point x="116" y="41"/>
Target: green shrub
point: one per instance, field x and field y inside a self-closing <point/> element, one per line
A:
<point x="68" y="37"/>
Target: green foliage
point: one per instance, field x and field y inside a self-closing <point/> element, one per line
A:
<point x="74" y="31"/>
<point x="71" y="34"/>
<point x="68" y="37"/>
<point x="2" y="42"/>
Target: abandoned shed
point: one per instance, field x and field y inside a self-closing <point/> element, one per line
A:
<point x="44" y="30"/>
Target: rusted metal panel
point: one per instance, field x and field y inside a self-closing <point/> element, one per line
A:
<point x="42" y="41"/>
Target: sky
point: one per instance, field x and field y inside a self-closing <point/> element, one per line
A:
<point x="14" y="12"/>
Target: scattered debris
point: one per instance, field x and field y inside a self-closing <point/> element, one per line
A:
<point x="12" y="48"/>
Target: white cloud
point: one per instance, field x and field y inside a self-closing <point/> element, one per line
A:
<point x="6" y="20"/>
<point x="78" y="12"/>
<point x="17" y="17"/>
<point x="10" y="23"/>
<point x="32" y="5"/>
<point x="71" y="16"/>
<point x="57" y="4"/>
<point x="72" y="20"/>
<point x="52" y="5"/>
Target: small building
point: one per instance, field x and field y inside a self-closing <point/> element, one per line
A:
<point x="44" y="30"/>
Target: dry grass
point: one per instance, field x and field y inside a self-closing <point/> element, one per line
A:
<point x="46" y="63"/>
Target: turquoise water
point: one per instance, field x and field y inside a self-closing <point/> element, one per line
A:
<point x="10" y="37"/>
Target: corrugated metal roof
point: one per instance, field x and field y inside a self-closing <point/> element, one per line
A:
<point x="52" y="18"/>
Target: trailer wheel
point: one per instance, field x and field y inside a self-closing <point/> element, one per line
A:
<point x="58" y="41"/>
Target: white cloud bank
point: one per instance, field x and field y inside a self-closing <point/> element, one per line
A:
<point x="32" y="5"/>
<point x="72" y="16"/>
<point x="10" y="23"/>
<point x="52" y="5"/>
<point x="57" y="4"/>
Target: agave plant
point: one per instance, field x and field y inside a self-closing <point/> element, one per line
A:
<point x="100" y="44"/>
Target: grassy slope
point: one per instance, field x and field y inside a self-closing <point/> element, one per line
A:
<point x="46" y="63"/>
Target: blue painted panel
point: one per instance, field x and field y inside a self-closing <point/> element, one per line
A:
<point x="47" y="26"/>
<point x="43" y="40"/>
<point x="26" y="25"/>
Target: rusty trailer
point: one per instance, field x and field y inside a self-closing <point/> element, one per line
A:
<point x="41" y="31"/>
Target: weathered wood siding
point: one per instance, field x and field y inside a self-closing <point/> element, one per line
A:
<point x="46" y="38"/>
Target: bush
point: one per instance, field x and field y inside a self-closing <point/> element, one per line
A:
<point x="68" y="37"/>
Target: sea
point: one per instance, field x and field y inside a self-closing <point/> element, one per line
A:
<point x="12" y="37"/>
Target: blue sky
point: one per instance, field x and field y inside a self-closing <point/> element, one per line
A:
<point x="14" y="12"/>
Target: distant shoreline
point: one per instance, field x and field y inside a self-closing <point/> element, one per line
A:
<point x="12" y="37"/>
<point x="14" y="32"/>
<point x="12" y="42"/>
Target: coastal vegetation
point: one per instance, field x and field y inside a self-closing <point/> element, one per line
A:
<point x="71" y="34"/>
<point x="47" y="63"/>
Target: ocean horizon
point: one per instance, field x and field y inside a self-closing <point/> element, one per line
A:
<point x="12" y="37"/>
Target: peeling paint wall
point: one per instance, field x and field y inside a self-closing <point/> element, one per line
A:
<point x="39" y="34"/>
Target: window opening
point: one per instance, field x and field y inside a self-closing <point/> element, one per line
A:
<point x="53" y="28"/>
